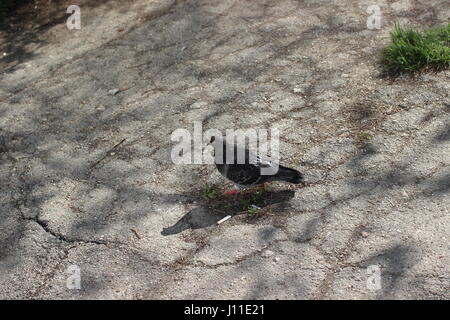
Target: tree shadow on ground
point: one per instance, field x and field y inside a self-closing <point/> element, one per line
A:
<point x="58" y="116"/>
<point x="31" y="19"/>
<point x="393" y="261"/>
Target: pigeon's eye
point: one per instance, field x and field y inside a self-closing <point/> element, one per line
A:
<point x="212" y="139"/>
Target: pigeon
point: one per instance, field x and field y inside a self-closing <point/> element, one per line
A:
<point x="249" y="173"/>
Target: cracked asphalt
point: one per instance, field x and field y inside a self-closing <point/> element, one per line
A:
<point x="86" y="177"/>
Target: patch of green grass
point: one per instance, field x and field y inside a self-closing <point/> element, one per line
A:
<point x="252" y="201"/>
<point x="412" y="50"/>
<point x="253" y="210"/>
<point x="245" y="202"/>
<point x="256" y="197"/>
<point x="363" y="137"/>
<point x="211" y="192"/>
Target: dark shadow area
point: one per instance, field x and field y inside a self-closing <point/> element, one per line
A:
<point x="309" y="230"/>
<point x="25" y="25"/>
<point x="441" y="186"/>
<point x="443" y="136"/>
<point x="393" y="262"/>
<point x="210" y="211"/>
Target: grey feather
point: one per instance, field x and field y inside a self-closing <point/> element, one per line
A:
<point x="249" y="172"/>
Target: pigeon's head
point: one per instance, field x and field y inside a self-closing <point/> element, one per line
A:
<point x="213" y="143"/>
<point x="215" y="140"/>
<point x="210" y="145"/>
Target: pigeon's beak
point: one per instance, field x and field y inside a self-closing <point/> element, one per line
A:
<point x="209" y="145"/>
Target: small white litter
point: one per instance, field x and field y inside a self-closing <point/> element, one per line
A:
<point x="223" y="219"/>
<point x="113" y="92"/>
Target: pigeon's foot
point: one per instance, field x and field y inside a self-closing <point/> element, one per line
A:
<point x="248" y="190"/>
<point x="231" y="192"/>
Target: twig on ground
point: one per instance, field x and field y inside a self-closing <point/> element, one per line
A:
<point x="108" y="153"/>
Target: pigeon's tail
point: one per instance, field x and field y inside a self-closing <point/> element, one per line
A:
<point x="289" y="175"/>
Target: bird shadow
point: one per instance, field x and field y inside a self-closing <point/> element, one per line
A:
<point x="212" y="208"/>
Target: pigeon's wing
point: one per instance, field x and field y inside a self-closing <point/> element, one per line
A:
<point x="263" y="162"/>
<point x="244" y="174"/>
